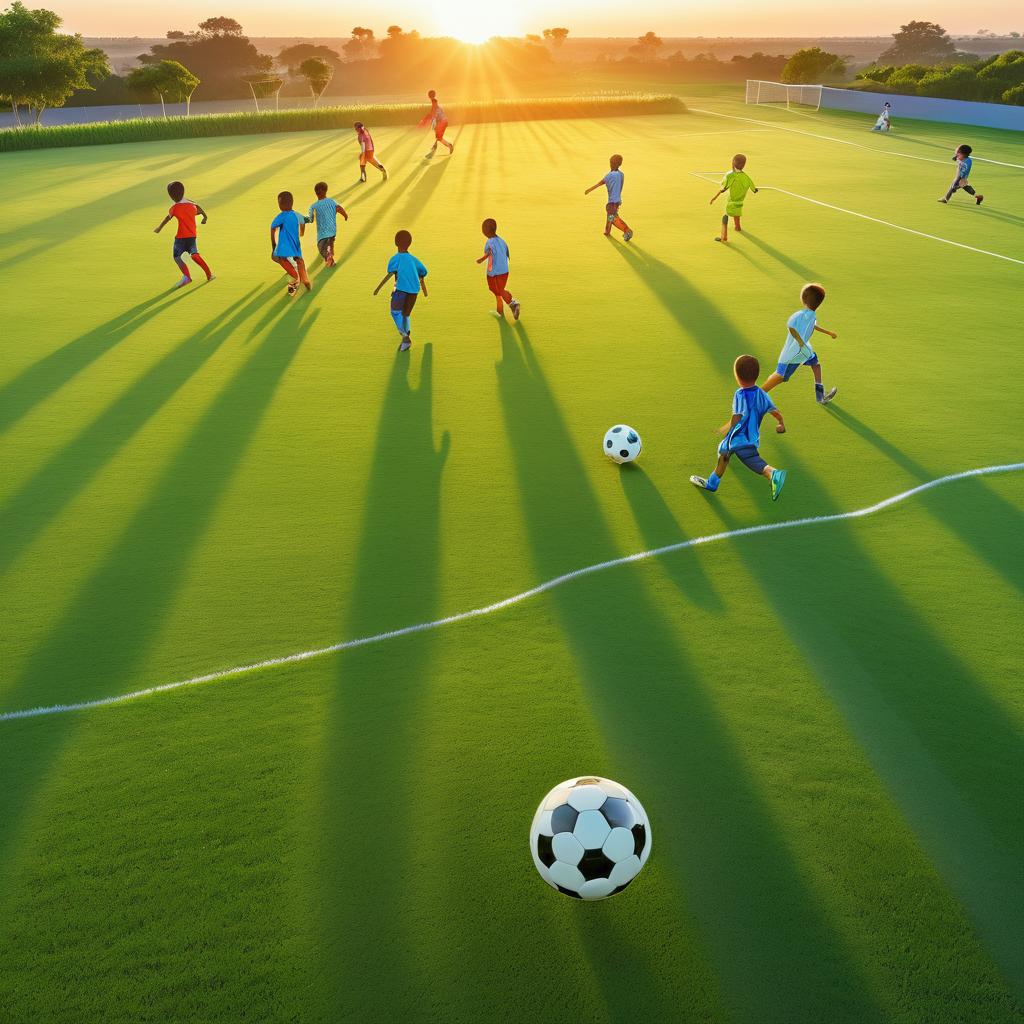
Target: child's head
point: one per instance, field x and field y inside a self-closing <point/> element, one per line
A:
<point x="432" y="94"/>
<point x="358" y="126"/>
<point x="176" y="191"/>
<point x="746" y="370"/>
<point x="812" y="295"/>
<point x="320" y="188"/>
<point x="964" y="151"/>
<point x="615" y="162"/>
<point x="489" y="227"/>
<point x="403" y="240"/>
<point x="739" y="161"/>
<point x="888" y="106"/>
<point x="285" y="200"/>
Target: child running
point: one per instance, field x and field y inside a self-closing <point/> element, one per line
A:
<point x="613" y="181"/>
<point x="410" y="276"/>
<point x="439" y="122"/>
<point x="963" y="171"/>
<point x="737" y="183"/>
<point x="184" y="211"/>
<point x="287" y="246"/>
<point x="743" y="431"/>
<point x="884" y="122"/>
<point x="496" y="254"/>
<point x="797" y="350"/>
<point x="366" y="152"/>
<point x="324" y="213"/>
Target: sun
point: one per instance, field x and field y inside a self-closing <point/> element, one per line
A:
<point x="475" y="21"/>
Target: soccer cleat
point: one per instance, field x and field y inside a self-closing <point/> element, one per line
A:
<point x="825" y="399"/>
<point x="943" y="200"/>
<point x="979" y="200"/>
<point x="406" y="343"/>
<point x="292" y="288"/>
<point x="515" y="309"/>
<point x="778" y="482"/>
<point x="719" y="238"/>
<point x="429" y="155"/>
<point x="184" y="281"/>
<point x="702" y="483"/>
<point x="627" y="235"/>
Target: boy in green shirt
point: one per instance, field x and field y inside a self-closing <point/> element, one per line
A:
<point x="737" y="183"/>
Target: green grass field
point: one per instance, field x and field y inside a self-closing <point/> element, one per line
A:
<point x="824" y="723"/>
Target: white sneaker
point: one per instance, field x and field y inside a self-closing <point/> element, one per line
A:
<point x="184" y="281"/>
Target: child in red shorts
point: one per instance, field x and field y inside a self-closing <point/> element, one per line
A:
<point x="496" y="255"/>
<point x="439" y="122"/>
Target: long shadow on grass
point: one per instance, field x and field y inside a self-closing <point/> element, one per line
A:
<point x="369" y="962"/>
<point x="803" y="272"/>
<point x="659" y="720"/>
<point x="987" y="211"/>
<point x="54" y="485"/>
<point x="103" y="636"/>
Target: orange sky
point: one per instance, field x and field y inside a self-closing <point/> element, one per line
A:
<point x="582" y="17"/>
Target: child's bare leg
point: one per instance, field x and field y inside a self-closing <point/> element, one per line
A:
<point x="736" y="221"/>
<point x="767" y="472"/>
<point x="450" y="145"/>
<point x="621" y="224"/>
<point x="724" y="236"/>
<point x="286" y="266"/>
<point x="773" y="380"/>
<point x="303" y="276"/>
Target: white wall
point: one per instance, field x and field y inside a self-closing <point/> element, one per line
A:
<point x="927" y="108"/>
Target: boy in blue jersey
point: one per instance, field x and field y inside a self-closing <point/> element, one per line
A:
<point x="963" y="171"/>
<point x="285" y="246"/>
<point x="324" y="213"/>
<point x="496" y="255"/>
<point x="410" y="278"/>
<point x="797" y="350"/>
<point x="613" y="181"/>
<point x="743" y="431"/>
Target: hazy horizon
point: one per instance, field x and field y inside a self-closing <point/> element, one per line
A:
<point x="474" y="20"/>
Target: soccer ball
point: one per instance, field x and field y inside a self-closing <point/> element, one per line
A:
<point x="589" y="838"/>
<point x="622" y="444"/>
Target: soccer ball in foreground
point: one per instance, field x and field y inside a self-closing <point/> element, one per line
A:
<point x="622" y="444"/>
<point x="590" y="837"/>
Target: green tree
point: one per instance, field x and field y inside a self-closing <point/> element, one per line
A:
<point x="167" y="79"/>
<point x="557" y="36"/>
<point x="813" y="65"/>
<point x="362" y="43"/>
<point x="647" y="46"/>
<point x="40" y="67"/>
<point x="317" y="73"/>
<point x="920" y="42"/>
<point x="1014" y="96"/>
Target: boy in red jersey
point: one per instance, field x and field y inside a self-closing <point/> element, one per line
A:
<point x="366" y="156"/>
<point x="438" y="120"/>
<point x="184" y="211"/>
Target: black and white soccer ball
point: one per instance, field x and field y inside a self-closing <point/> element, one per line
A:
<point x="590" y="837"/>
<point x="622" y="443"/>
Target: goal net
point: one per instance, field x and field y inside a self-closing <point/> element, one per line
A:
<point x="779" y="92"/>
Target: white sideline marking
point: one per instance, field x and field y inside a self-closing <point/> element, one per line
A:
<point x="746" y="531"/>
<point x="856" y="145"/>
<point x="707" y="176"/>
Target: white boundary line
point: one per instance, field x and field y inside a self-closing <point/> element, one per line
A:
<point x="541" y="588"/>
<point x="706" y="176"/>
<point x="847" y="142"/>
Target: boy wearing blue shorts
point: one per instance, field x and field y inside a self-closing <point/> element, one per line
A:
<point x="410" y="278"/>
<point x="797" y="350"/>
<point x="286" y="246"/>
<point x="743" y="431"/>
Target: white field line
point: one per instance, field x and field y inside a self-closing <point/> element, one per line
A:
<point x="707" y="176"/>
<point x="497" y="606"/>
<point x="847" y="142"/>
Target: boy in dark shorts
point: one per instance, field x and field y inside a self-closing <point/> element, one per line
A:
<point x="409" y="274"/>
<point x="496" y="256"/>
<point x="324" y="213"/>
<point x="184" y="211"/>
<point x="962" y="156"/>
<point x="743" y="431"/>
<point x="613" y="181"/>
<point x="286" y="246"/>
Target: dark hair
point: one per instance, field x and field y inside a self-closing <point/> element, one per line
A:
<point x="432" y="94"/>
<point x="285" y="200"/>
<point x="747" y="369"/>
<point x="812" y="295"/>
<point x="176" y="191"/>
<point x="489" y="226"/>
<point x="358" y="125"/>
<point x="739" y="161"/>
<point x="320" y="188"/>
<point x="403" y="239"/>
<point x="615" y="161"/>
<point x="966" y="150"/>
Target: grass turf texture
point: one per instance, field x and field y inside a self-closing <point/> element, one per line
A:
<point x="152" y="129"/>
<point x="823" y="725"/>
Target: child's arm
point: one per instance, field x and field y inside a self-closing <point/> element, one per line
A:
<point x="592" y="187"/>
<point x="302" y="226"/>
<point x="273" y="240"/>
<point x="387" y="277"/>
<point x="423" y="285"/>
<point x="726" y="427"/>
<point x="341" y="210"/>
<point x="201" y="212"/>
<point x="720" y="192"/>
<point x="825" y="330"/>
<point x="166" y="220"/>
<point x="796" y="337"/>
<point x="781" y="428"/>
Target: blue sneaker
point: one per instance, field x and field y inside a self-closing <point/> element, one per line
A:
<point x="702" y="483"/>
<point x="778" y="482"/>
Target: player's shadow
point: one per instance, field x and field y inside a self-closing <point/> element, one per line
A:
<point x="993" y="546"/>
<point x="667" y="740"/>
<point x="41" y="379"/>
<point x="803" y="272"/>
<point x="987" y="211"/>
<point x="659" y="527"/>
<point x="946" y="750"/>
<point x="369" y="962"/>
<point x="52" y="487"/>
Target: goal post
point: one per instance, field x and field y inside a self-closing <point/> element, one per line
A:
<point x="784" y="94"/>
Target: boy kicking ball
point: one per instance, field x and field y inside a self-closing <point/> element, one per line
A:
<point x="409" y="274"/>
<point x="963" y="171"/>
<point x="737" y="183"/>
<point x="496" y="255"/>
<point x="743" y="431"/>
<point x="184" y="212"/>
<point x="288" y="227"/>
<point x="797" y="350"/>
<point x="613" y="181"/>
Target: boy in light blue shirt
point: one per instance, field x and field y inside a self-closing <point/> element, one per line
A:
<point x="963" y="171"/>
<point x="496" y="255"/>
<point x="410" y="278"/>
<point x="742" y="432"/>
<point x="613" y="181"/>
<point x="324" y="213"/>
<point x="797" y="350"/>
